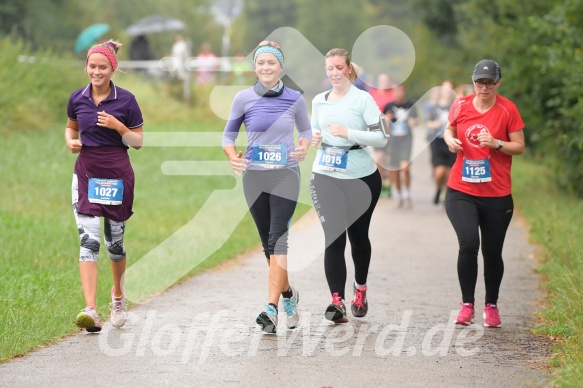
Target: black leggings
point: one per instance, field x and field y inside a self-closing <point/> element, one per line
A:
<point x="345" y="206"/>
<point x="271" y="197"/>
<point x="470" y="216"/>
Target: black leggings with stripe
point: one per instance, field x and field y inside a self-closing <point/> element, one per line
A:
<point x="345" y="207"/>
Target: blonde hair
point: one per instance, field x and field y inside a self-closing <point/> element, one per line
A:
<point x="340" y="52"/>
<point x="111" y="45"/>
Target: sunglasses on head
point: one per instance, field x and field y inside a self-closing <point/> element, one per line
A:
<point x="269" y="43"/>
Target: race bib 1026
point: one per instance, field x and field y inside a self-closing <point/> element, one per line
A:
<point x="269" y="155"/>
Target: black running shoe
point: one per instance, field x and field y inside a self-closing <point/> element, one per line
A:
<point x="268" y="320"/>
<point x="359" y="305"/>
<point x="336" y="311"/>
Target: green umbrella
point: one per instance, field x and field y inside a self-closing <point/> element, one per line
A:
<point x="89" y="36"/>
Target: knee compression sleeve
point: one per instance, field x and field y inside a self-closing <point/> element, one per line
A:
<point x="88" y="227"/>
<point x="113" y="233"/>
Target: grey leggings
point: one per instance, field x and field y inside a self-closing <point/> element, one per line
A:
<point x="89" y="232"/>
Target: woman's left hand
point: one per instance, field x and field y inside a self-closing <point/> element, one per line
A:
<point x="486" y="139"/>
<point x="107" y="121"/>
<point x="338" y="131"/>
<point x="299" y="154"/>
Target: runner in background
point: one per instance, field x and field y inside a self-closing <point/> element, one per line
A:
<point x="485" y="131"/>
<point x="103" y="120"/>
<point x="271" y="175"/>
<point x="345" y="183"/>
<point x="383" y="95"/>
<point x="437" y="119"/>
<point x="403" y="118"/>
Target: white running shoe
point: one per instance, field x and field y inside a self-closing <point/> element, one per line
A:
<point x="119" y="310"/>
<point x="88" y="319"/>
<point x="290" y="306"/>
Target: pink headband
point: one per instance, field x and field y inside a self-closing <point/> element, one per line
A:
<point x="105" y="51"/>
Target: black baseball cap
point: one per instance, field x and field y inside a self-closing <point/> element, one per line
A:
<point x="487" y="68"/>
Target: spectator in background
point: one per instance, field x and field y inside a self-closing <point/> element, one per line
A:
<point x="180" y="51"/>
<point x="240" y="69"/>
<point x="207" y="63"/>
<point x="140" y="51"/>
<point x="383" y="95"/>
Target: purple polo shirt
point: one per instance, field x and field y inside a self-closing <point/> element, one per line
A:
<point x="104" y="155"/>
<point x="120" y="103"/>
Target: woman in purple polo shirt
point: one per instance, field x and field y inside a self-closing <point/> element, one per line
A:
<point x="103" y="120"/>
<point x="271" y="175"/>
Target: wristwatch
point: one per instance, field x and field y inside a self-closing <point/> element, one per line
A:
<point x="500" y="145"/>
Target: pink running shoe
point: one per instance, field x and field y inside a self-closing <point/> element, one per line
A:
<point x="336" y="311"/>
<point x="492" y="316"/>
<point x="466" y="314"/>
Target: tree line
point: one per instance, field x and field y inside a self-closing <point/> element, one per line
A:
<point x="539" y="45"/>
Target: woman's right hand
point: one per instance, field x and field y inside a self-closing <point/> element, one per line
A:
<point x="238" y="163"/>
<point x="316" y="138"/>
<point x="454" y="144"/>
<point x="74" y="145"/>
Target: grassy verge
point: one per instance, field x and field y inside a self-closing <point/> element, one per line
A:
<point x="40" y="291"/>
<point x="556" y="225"/>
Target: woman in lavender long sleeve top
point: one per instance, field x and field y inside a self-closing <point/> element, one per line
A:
<point x="271" y="175"/>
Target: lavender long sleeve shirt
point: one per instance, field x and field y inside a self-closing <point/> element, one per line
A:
<point x="268" y="120"/>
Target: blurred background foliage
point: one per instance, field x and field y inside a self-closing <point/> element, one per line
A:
<point x="538" y="44"/>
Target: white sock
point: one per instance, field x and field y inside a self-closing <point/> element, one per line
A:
<point x="359" y="286"/>
<point x="405" y="191"/>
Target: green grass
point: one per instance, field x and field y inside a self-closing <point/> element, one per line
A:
<point x="556" y="225"/>
<point x="40" y="290"/>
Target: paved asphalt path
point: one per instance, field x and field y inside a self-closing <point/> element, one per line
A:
<point x="203" y="332"/>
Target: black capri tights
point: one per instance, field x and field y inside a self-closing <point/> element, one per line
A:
<point x="272" y="196"/>
<point x="470" y="216"/>
<point x="345" y="206"/>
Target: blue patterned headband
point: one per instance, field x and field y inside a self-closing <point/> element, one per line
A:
<point x="270" y="50"/>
